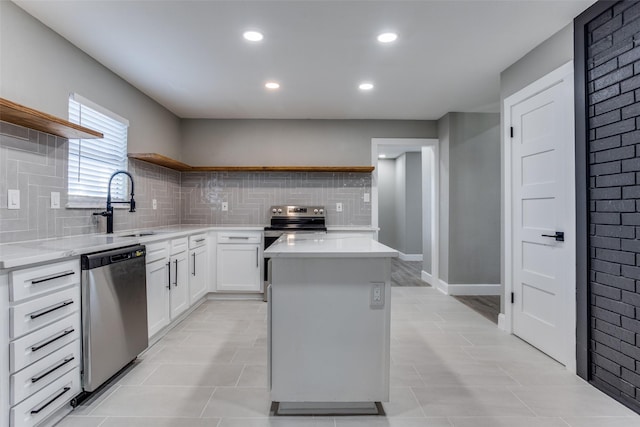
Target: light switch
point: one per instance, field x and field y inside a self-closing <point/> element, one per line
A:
<point x="225" y="206"/>
<point x="367" y="197"/>
<point x="55" y="200"/>
<point x="338" y="207"/>
<point x="154" y="204"/>
<point x="13" y="199"/>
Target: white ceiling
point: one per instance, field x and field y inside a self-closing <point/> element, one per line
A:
<point x="190" y="56"/>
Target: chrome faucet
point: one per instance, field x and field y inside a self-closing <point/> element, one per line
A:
<point x="109" y="212"/>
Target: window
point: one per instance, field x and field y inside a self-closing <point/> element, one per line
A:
<point x="92" y="161"/>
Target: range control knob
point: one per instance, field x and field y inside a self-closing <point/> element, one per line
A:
<point x="274" y="210"/>
<point x="279" y="210"/>
<point x="315" y="211"/>
<point x="321" y="211"/>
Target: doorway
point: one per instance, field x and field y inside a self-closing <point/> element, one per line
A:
<point x="426" y="151"/>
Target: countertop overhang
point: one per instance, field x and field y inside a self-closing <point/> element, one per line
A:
<point x="323" y="245"/>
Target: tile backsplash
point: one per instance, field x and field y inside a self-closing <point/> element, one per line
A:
<point x="36" y="164"/>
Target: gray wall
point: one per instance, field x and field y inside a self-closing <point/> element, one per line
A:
<point x="427" y="161"/>
<point x="401" y="202"/>
<point x="40" y="69"/>
<point x="470" y="209"/>
<point x="291" y="142"/>
<point x="387" y="202"/>
<point x="413" y="204"/>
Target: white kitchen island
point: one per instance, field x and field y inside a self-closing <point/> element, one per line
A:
<point x="329" y="323"/>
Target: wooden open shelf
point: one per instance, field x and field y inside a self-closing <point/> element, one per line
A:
<point x="160" y="160"/>
<point x="43" y="122"/>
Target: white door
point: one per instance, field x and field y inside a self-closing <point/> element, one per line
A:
<point x="157" y="295"/>
<point x="543" y="207"/>
<point x="198" y="268"/>
<point x="239" y="268"/>
<point x="179" y="285"/>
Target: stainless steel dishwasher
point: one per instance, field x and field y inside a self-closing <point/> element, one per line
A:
<point x="114" y="312"/>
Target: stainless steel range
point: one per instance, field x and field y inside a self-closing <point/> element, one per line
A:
<point x="291" y="219"/>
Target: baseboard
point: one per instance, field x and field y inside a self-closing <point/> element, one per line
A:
<point x="426" y="277"/>
<point x="502" y="322"/>
<point x="410" y="257"/>
<point x="221" y="296"/>
<point x="469" y="289"/>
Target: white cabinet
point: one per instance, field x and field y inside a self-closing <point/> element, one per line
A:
<point x="178" y="269"/>
<point x="158" y="309"/>
<point x="239" y="260"/>
<point x="41" y="340"/>
<point x="198" y="267"/>
<point x="167" y="282"/>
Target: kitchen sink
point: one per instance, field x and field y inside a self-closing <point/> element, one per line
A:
<point x="139" y="234"/>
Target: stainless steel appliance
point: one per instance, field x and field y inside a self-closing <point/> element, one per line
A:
<point x="114" y="312"/>
<point x="291" y="219"/>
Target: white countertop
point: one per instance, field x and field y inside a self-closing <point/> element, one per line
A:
<point x="332" y="245"/>
<point x="19" y="254"/>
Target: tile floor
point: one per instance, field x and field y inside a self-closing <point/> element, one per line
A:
<point x="450" y="367"/>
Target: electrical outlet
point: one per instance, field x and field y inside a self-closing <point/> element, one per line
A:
<point x="154" y="204"/>
<point x="367" y="197"/>
<point x="55" y="200"/>
<point x="377" y="295"/>
<point x="225" y="206"/>
<point x="13" y="199"/>
<point x="339" y="207"/>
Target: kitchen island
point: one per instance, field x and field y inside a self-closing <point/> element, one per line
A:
<point x="329" y="323"/>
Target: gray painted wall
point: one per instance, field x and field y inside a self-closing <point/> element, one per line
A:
<point x="413" y="204"/>
<point x="40" y="69"/>
<point x="427" y="159"/>
<point x="474" y="199"/>
<point x="291" y="142"/>
<point x="401" y="201"/>
<point x="387" y="202"/>
<point x="470" y="198"/>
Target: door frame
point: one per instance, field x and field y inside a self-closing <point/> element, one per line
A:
<point x="426" y="144"/>
<point x="545" y="82"/>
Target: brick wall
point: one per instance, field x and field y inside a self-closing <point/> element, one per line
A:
<point x="613" y="87"/>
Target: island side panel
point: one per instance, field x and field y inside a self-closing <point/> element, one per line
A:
<point x="327" y="342"/>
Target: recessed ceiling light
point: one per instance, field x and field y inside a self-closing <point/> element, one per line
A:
<point x="252" y="36"/>
<point x="272" y="85"/>
<point x="382" y="156"/>
<point x="387" y="37"/>
<point x="366" y="86"/>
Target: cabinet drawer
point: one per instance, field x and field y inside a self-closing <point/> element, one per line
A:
<point x="30" y="348"/>
<point x="48" y="400"/>
<point x="197" y="240"/>
<point x="179" y="245"/>
<point x="31" y="315"/>
<point x="37" y="376"/>
<point x="239" y="238"/>
<point x="157" y="251"/>
<point x="30" y="282"/>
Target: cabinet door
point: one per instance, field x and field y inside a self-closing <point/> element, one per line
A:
<point x="239" y="268"/>
<point x="198" y="269"/>
<point x="157" y="295"/>
<point x="179" y="284"/>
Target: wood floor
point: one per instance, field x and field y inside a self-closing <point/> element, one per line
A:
<point x="408" y="273"/>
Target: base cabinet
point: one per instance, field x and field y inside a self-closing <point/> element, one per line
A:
<point x="198" y="269"/>
<point x="167" y="283"/>
<point x="239" y="260"/>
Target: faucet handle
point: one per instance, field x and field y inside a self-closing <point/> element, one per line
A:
<point x="132" y="205"/>
<point x="103" y="213"/>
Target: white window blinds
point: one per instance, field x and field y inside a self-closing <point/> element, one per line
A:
<point x="92" y="161"/>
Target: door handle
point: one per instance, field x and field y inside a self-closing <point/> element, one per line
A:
<point x="194" y="264"/>
<point x="169" y="278"/>
<point x="176" y="282"/>
<point x="257" y="257"/>
<point x="559" y="236"/>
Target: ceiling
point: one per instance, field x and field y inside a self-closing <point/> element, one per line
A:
<point x="190" y="55"/>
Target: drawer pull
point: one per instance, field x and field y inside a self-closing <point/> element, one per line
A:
<point x="56" y="397"/>
<point x="200" y="240"/>
<point x="52" y="277"/>
<point x="239" y="237"/>
<point x="44" y="344"/>
<point x="55" y="368"/>
<point x="36" y="314"/>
